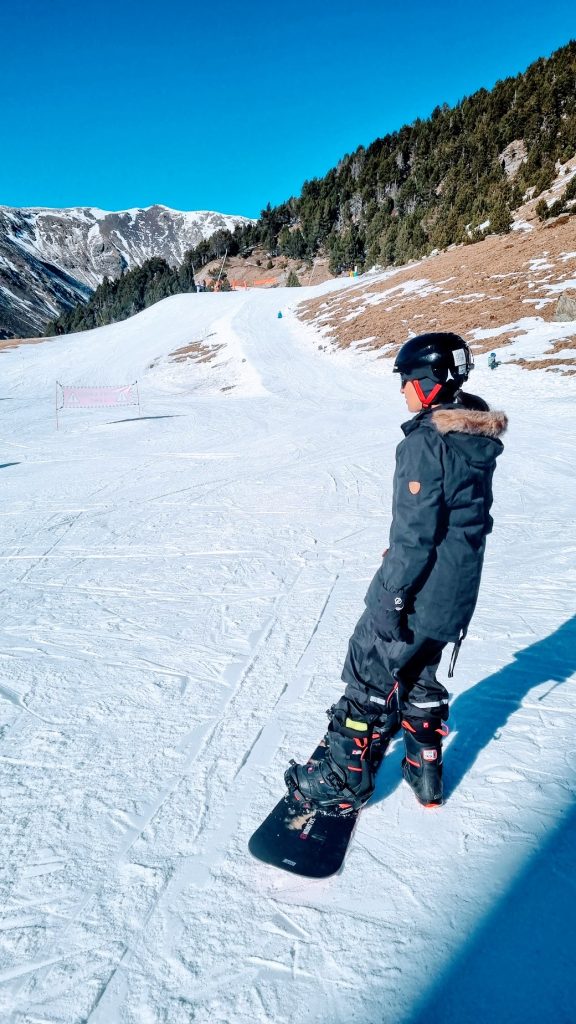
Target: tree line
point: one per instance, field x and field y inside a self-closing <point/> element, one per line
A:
<point x="126" y="295"/>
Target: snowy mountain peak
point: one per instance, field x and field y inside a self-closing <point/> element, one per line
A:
<point x="50" y="258"/>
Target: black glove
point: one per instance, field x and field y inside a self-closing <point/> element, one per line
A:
<point x="388" y="615"/>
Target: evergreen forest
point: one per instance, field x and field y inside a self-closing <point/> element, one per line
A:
<point x="126" y="295"/>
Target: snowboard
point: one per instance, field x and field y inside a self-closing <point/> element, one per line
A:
<point x="312" y="845"/>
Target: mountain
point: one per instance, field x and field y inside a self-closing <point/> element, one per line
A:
<point x="52" y="259"/>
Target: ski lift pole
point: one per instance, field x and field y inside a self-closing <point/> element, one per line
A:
<point x="221" y="269"/>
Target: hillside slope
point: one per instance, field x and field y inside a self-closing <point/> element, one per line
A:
<point x="499" y="294"/>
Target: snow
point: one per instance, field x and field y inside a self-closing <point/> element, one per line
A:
<point x="561" y="286"/>
<point x="533" y="338"/>
<point x="179" y="590"/>
<point x="95" y="213"/>
<point x="521" y="225"/>
<point x="540" y="263"/>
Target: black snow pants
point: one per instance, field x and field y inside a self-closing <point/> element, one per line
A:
<point x="375" y="669"/>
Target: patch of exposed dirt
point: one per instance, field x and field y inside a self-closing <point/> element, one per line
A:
<point x="249" y="273"/>
<point x="560" y="363"/>
<point x="196" y="351"/>
<point x="16" y="342"/>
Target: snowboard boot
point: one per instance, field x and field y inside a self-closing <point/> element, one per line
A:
<point x="422" y="764"/>
<point x="343" y="780"/>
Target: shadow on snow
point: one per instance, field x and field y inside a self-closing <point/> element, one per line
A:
<point x="515" y="968"/>
<point x="138" y="419"/>
<point x="484" y="709"/>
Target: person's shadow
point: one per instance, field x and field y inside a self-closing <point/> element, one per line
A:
<point x="515" y="966"/>
<point x="477" y="714"/>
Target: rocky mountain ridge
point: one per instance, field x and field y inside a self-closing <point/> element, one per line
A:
<point x="51" y="259"/>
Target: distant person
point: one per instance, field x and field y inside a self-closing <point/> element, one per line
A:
<point x="424" y="593"/>
<point x="492" y="361"/>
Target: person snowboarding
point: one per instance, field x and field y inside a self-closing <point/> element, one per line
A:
<point x="424" y="593"/>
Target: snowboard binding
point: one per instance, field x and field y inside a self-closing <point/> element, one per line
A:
<point x="342" y="780"/>
<point x="338" y="801"/>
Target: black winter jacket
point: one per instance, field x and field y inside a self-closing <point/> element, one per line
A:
<point x="440" y="519"/>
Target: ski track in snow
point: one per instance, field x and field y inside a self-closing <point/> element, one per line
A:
<point x="177" y="598"/>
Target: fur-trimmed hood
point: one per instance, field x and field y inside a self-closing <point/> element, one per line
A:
<point x="473" y="434"/>
<point x="470" y="421"/>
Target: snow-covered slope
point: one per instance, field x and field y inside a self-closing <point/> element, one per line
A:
<point x="179" y="590"/>
<point x="51" y="258"/>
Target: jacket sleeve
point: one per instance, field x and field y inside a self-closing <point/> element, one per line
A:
<point x="418" y="513"/>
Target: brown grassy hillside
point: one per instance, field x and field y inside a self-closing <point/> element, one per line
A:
<point x="491" y="284"/>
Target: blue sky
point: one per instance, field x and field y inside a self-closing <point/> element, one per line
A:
<point x="227" y="106"/>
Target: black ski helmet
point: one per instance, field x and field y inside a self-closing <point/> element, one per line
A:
<point x="437" y="362"/>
